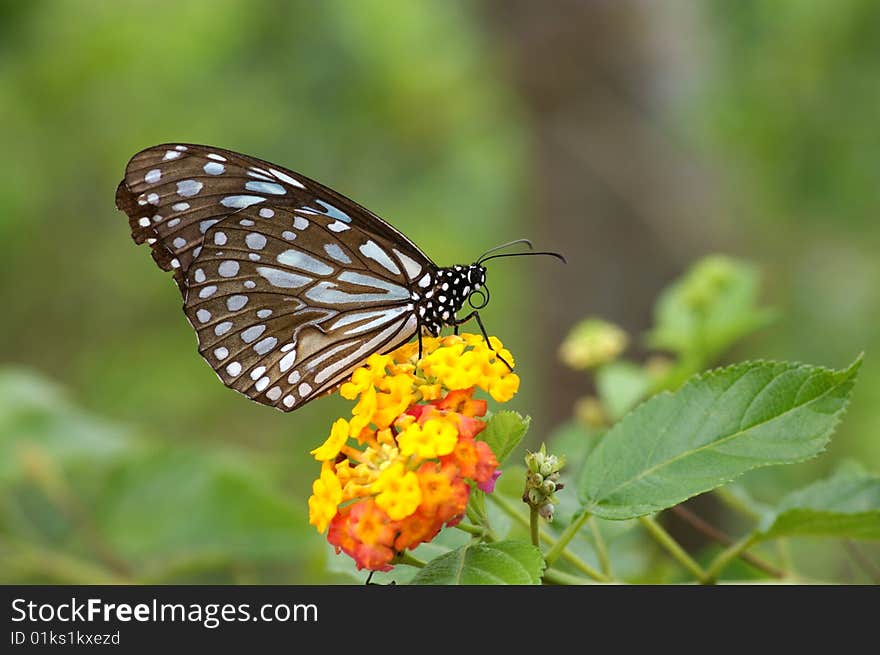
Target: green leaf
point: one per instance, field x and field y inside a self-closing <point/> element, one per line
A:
<point x="228" y="510"/>
<point x="621" y="386"/>
<point x="718" y="426"/>
<point x="35" y="415"/>
<point x="845" y="505"/>
<point x="503" y="562"/>
<point x="503" y="432"/>
<point x="713" y="305"/>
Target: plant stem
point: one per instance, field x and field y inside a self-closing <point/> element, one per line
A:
<point x="567" y="555"/>
<point x="553" y="576"/>
<point x="733" y="502"/>
<point x="534" y="527"/>
<point x="475" y="530"/>
<point x="715" y="534"/>
<point x="871" y="569"/>
<point x="409" y="559"/>
<point x="567" y="535"/>
<point x="723" y="558"/>
<point x="601" y="548"/>
<point x="673" y="547"/>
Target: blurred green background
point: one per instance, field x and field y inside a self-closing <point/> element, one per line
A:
<point x="635" y="137"/>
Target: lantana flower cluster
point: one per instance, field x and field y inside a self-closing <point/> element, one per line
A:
<point x="404" y="464"/>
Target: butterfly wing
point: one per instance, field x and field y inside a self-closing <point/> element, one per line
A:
<point x="287" y="303"/>
<point x="173" y="193"/>
<point x="289" y="284"/>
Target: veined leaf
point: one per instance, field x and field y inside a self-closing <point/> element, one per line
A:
<point x="845" y="505"/>
<point x="503" y="433"/>
<point x="503" y="562"/>
<point x="716" y="427"/>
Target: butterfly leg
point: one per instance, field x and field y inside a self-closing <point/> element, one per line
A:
<point x="476" y="316"/>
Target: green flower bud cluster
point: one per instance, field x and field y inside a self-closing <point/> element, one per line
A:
<point x="542" y="481"/>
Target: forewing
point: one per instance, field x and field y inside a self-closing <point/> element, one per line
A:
<point x="286" y="303"/>
<point x="173" y="193"/>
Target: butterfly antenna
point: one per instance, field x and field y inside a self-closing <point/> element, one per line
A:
<point x="558" y="256"/>
<point x="516" y="242"/>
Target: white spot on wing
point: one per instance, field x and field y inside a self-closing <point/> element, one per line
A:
<point x="234" y="303"/>
<point x="305" y="389"/>
<point x="222" y="328"/>
<point x="213" y="168"/>
<point x="265" y="212"/>
<point x="284" y="279"/>
<point x="338" y="226"/>
<point x="255" y="241"/>
<point x="265" y="345"/>
<point x="240" y="202"/>
<point x="274" y="393"/>
<point x="262" y="383"/>
<point x="220" y="238"/>
<point x="170" y="154"/>
<point x="221" y="352"/>
<point x="233" y="369"/>
<point x="287" y="361"/>
<point x="337" y="253"/>
<point x="203" y="315"/>
<point x="412" y="267"/>
<point x="188" y="188"/>
<point x="284" y="177"/>
<point x="153" y="176"/>
<point x="228" y="268"/>
<point x="208" y="291"/>
<point x="265" y="187"/>
<point x="252" y="333"/>
<point x="289" y="401"/>
<point x="371" y="250"/>
<point x="304" y="262"/>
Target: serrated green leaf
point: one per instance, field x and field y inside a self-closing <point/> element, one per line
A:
<point x="846" y="505"/>
<point x="709" y="308"/>
<point x="503" y="432"/>
<point x="718" y="426"/>
<point x="621" y="386"/>
<point x="503" y="562"/>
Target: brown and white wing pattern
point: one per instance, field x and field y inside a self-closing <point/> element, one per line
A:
<point x="288" y="302"/>
<point x="174" y="192"/>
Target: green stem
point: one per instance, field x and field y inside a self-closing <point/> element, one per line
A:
<point x="552" y="576"/>
<point x="735" y="503"/>
<point x="567" y="535"/>
<point x="410" y="560"/>
<point x="672" y="547"/>
<point x="475" y="530"/>
<point x="534" y="526"/>
<point x="601" y="548"/>
<point x="567" y="555"/>
<point x="723" y="558"/>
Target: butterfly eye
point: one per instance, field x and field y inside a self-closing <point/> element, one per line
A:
<point x="483" y="299"/>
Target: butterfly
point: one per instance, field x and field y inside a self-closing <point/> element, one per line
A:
<point x="289" y="285"/>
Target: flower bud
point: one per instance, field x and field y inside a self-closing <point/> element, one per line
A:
<point x="546" y="511"/>
<point x="592" y="342"/>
